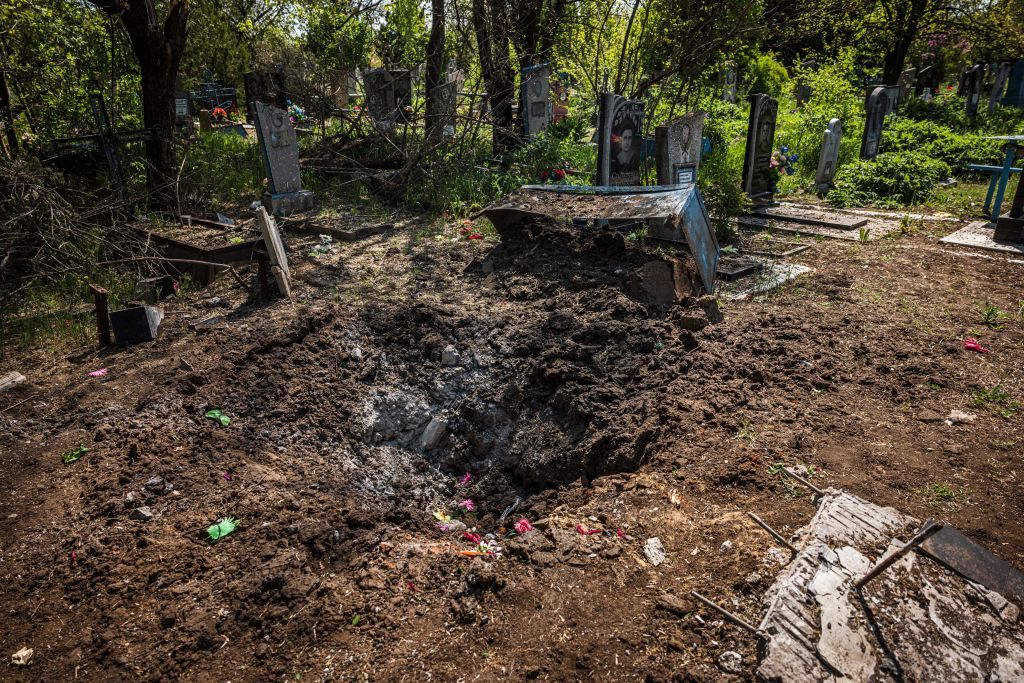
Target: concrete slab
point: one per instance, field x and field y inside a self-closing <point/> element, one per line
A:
<point x="979" y="235"/>
<point x="771" y="275"/>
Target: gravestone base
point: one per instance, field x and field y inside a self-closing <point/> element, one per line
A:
<point x="287" y="203"/>
<point x="1009" y="229"/>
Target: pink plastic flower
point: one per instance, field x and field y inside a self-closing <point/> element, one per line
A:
<point x="467" y="505"/>
<point x="102" y="372"/>
<point x="465" y="479"/>
<point x="972" y="344"/>
<point x="471" y="537"/>
<point x="523" y="525"/>
<point x="586" y="532"/>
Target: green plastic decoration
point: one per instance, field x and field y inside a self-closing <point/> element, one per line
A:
<point x="222" y="528"/>
<point x="74" y="455"/>
<point x="219" y="417"/>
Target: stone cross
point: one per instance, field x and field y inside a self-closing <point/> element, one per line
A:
<point x="757" y="179"/>
<point x="679" y="144"/>
<point x="877" y="108"/>
<point x="280" y="147"/>
<point x="535" y="98"/>
<point x="829" y="157"/>
<point x="619" y="138"/>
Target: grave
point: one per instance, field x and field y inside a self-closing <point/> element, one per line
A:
<point x="877" y="108"/>
<point x="829" y="157"/>
<point x="927" y="81"/>
<point x="447" y="96"/>
<point x="678" y="148"/>
<point x="973" y="82"/>
<point x="728" y="80"/>
<point x="1010" y="228"/>
<point x="758" y="182"/>
<point x="1014" y="96"/>
<point x="535" y="98"/>
<point x="212" y="95"/>
<point x="388" y="93"/>
<point x="560" y="97"/>
<point x="1001" y="74"/>
<point x="906" y="82"/>
<point x="619" y="138"/>
<point x="280" y="148"/>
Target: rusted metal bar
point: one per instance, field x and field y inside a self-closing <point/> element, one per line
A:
<point x="803" y="481"/>
<point x="728" y="615"/>
<point x="929" y="528"/>
<point x="774" y="534"/>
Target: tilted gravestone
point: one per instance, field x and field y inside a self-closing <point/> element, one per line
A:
<point x="678" y="144"/>
<point x="729" y="80"/>
<point x="619" y="138"/>
<point x="829" y="158"/>
<point x="906" y="82"/>
<point x="387" y="95"/>
<point x="1000" y="77"/>
<point x="1015" y="88"/>
<point x="757" y="177"/>
<point x="447" y="96"/>
<point x="535" y="98"/>
<point x="974" y="79"/>
<point x="877" y="108"/>
<point x="280" y="148"/>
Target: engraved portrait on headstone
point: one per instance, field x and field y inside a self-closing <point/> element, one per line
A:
<point x="619" y="140"/>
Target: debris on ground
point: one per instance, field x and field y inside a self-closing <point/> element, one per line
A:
<point x="222" y="528"/>
<point x="654" y="551"/>
<point x="11" y="380"/>
<point x="22" y="657"/>
<point x="958" y="417"/>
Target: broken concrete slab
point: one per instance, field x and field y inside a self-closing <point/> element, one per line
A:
<point x="806" y="215"/>
<point x="11" y="380"/>
<point x="433" y="433"/>
<point x="917" y="619"/>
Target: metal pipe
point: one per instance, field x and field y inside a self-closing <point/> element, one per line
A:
<point x="929" y="528"/>
<point x="775" y="534"/>
<point x="803" y="481"/>
<point x="728" y="615"/>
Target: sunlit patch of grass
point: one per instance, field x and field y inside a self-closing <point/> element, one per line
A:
<point x="945" y="494"/>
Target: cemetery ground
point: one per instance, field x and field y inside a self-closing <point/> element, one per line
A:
<point x="411" y="358"/>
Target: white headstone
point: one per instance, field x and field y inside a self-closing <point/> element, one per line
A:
<point x="829" y="157"/>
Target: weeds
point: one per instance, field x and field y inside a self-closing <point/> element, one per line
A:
<point x="996" y="398"/>
<point x="993" y="317"/>
<point x="944" y="494"/>
<point x="863" y="235"/>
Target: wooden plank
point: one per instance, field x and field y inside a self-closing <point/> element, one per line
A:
<point x="275" y="251"/>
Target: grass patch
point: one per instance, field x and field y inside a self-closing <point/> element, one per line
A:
<point x="996" y="398"/>
<point x="944" y="494"/>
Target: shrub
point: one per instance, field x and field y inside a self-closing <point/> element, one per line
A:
<point x="221" y="166"/>
<point x="765" y="74"/>
<point x="938" y="141"/>
<point x="890" y="180"/>
<point x="725" y="128"/>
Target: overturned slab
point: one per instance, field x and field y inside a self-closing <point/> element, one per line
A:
<point x="811" y="216"/>
<point x="916" y="621"/>
<point x="671" y="212"/>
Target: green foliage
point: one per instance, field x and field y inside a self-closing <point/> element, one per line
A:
<point x="725" y="128"/>
<point x="938" y="141"/>
<point x="890" y="180"/>
<point x="336" y="39"/>
<point x="833" y="96"/>
<point x="765" y="74"/>
<point x="221" y="167"/>
<point x="993" y="317"/>
<point x="997" y="399"/>
<point x="402" y="38"/>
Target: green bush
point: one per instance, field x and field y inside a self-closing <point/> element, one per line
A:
<point x="725" y="128"/>
<point x="221" y="167"/>
<point x="765" y="74"/>
<point x="938" y="141"/>
<point x="889" y="181"/>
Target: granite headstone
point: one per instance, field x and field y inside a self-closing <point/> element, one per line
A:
<point x="280" y="148"/>
<point x="757" y="177"/>
<point x="678" y="144"/>
<point x="1014" y="96"/>
<point x="535" y="98"/>
<point x="620" y="135"/>
<point x="974" y="79"/>
<point x="1000" y="76"/>
<point x="729" y="80"/>
<point x="877" y="108"/>
<point x="829" y="157"/>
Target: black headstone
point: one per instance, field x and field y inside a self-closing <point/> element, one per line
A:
<point x="757" y="178"/>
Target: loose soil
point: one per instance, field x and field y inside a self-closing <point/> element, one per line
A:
<point x="570" y="400"/>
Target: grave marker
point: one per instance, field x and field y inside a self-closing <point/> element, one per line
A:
<point x="829" y="157"/>
<point x="280" y="147"/>
<point x="1002" y="75"/>
<point x="973" y="81"/>
<point x="619" y="139"/>
<point x="927" y="81"/>
<point x="678" y="145"/>
<point x="275" y="251"/>
<point x="877" y="108"/>
<point x="757" y="179"/>
<point x="728" y="78"/>
<point x="387" y="95"/>
<point x="1015" y="88"/>
<point x="535" y="96"/>
<point x="447" y="96"/>
<point x="906" y="82"/>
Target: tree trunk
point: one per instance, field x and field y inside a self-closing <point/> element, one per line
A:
<point x="907" y="26"/>
<point x="436" y="118"/>
<point x="7" y="113"/>
<point x="490" y="24"/>
<point x="158" y="49"/>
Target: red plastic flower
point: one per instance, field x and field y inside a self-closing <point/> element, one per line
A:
<point x="559" y="174"/>
<point x="544" y="175"/>
<point x="465" y="479"/>
<point x="523" y="525"/>
<point x="471" y="537"/>
<point x="586" y="532"/>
